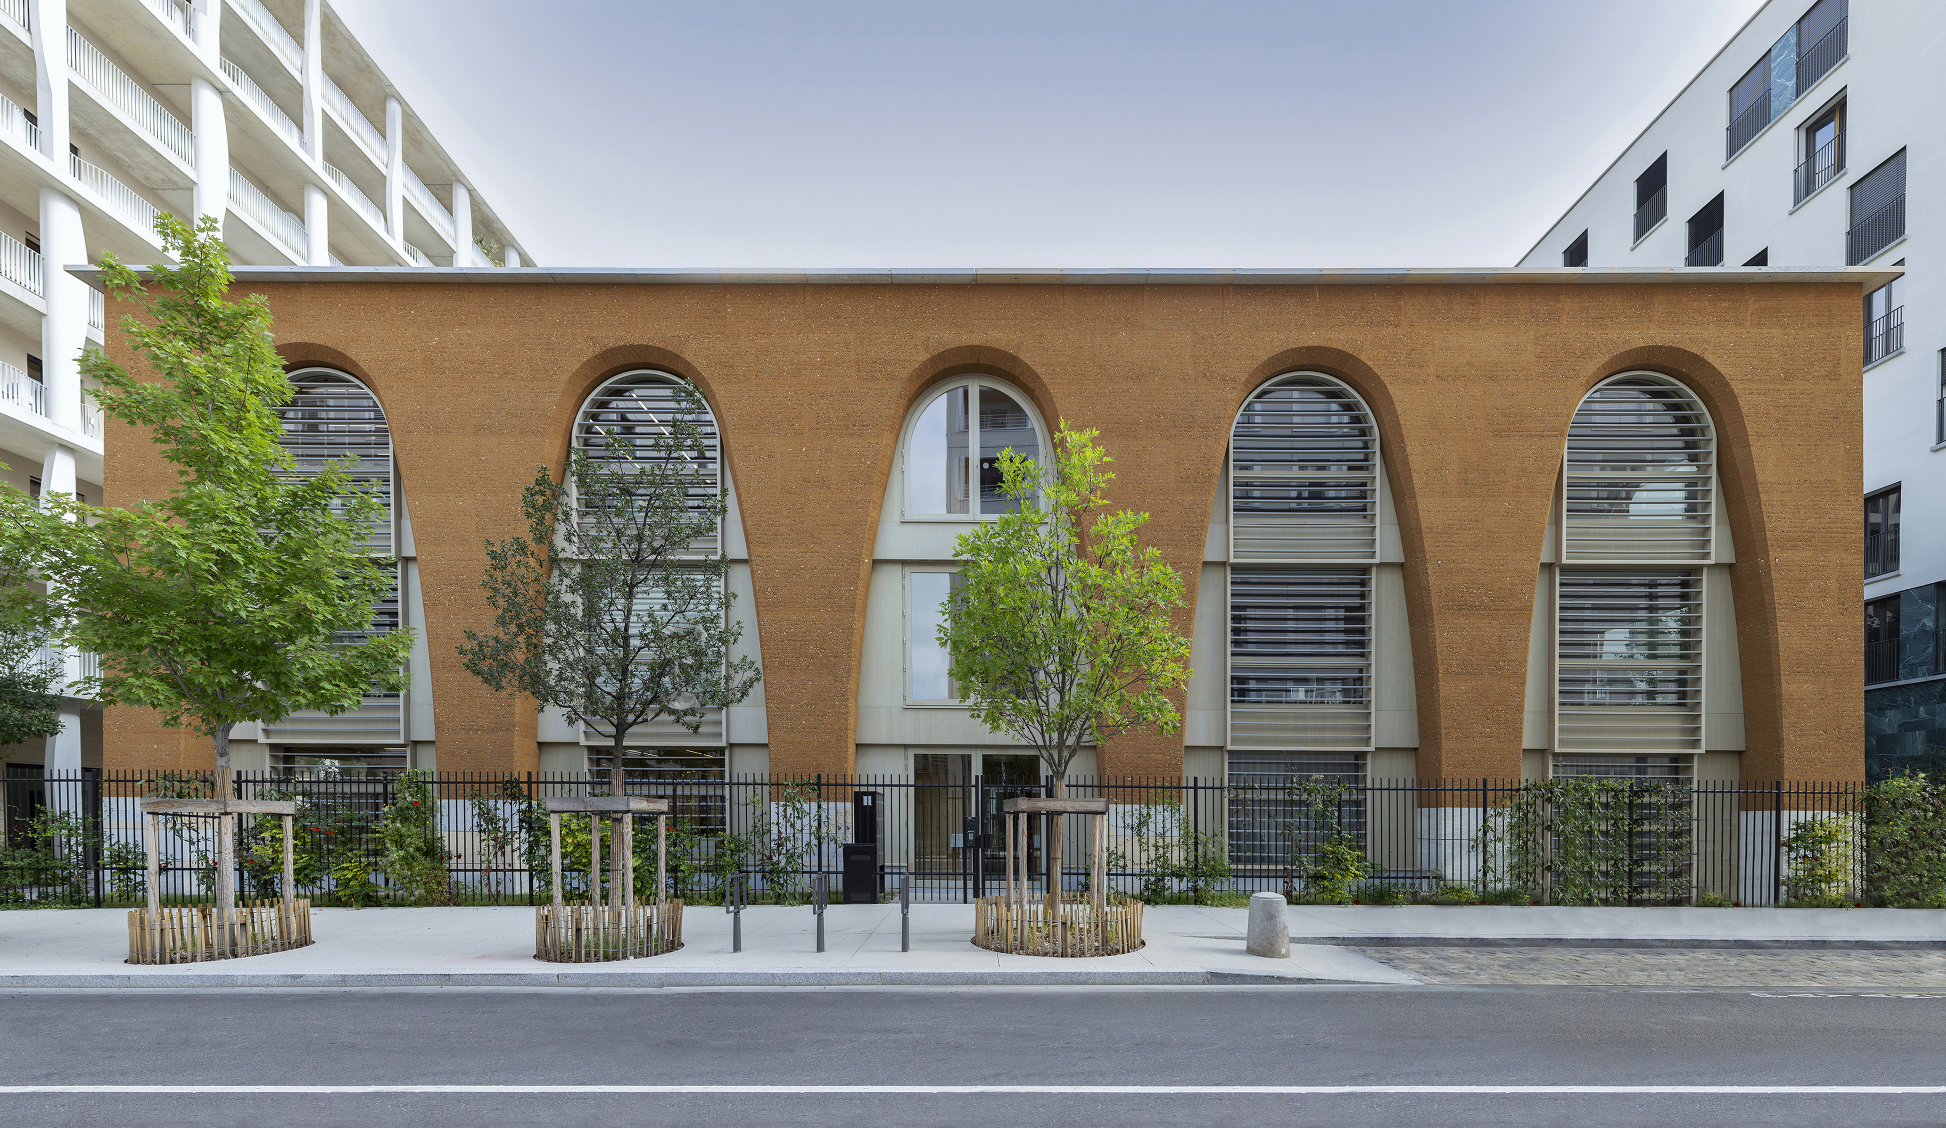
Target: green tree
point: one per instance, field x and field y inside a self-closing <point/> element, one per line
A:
<point x="1058" y="628"/>
<point x="606" y="609"/>
<point x="30" y="680"/>
<point x="248" y="591"/>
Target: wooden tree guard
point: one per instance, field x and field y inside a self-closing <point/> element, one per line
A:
<point x="623" y="928"/>
<point x="193" y="933"/>
<point x="1057" y="923"/>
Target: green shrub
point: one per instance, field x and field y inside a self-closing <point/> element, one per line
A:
<point x="416" y="857"/>
<point x="1905" y="842"/>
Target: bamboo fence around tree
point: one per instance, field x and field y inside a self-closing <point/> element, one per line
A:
<point x="222" y="931"/>
<point x="1020" y="922"/>
<point x="622" y="928"/>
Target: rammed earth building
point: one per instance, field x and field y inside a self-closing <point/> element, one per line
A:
<point x="1496" y="523"/>
<point x="1814" y="139"/>
<point x="264" y="114"/>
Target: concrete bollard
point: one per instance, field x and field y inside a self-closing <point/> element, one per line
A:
<point x="1270" y="927"/>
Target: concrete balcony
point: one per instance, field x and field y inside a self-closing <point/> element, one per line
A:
<point x="25" y="426"/>
<point x="21" y="304"/>
<point x="155" y="37"/>
<point x="427" y="222"/>
<point x="352" y="126"/>
<point x="271" y="37"/>
<point x="114" y="215"/>
<point x="266" y="232"/>
<point x="144" y="136"/>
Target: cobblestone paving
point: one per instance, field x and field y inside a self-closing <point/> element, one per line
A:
<point x="1668" y="967"/>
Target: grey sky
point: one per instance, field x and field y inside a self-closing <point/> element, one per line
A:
<point x="738" y="133"/>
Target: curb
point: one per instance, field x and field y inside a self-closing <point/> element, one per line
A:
<point x="1789" y="943"/>
<point x="1144" y="977"/>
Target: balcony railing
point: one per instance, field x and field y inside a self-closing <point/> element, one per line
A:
<point x="429" y="205"/>
<point x="417" y="256"/>
<point x="1882" y="661"/>
<point x="120" y="198"/>
<point x="1876" y="231"/>
<point x="1816" y="61"/>
<point x="97" y="310"/>
<point x="176" y="14"/>
<point x="16" y="10"/>
<point x="286" y="228"/>
<point x="20" y="265"/>
<point x="122" y="92"/>
<point x="1709" y="252"/>
<point x="1747" y="125"/>
<point x="14" y="123"/>
<point x="355" y="122"/>
<point x="358" y="198"/>
<point x="1819" y="168"/>
<point x="1651" y="212"/>
<point x="1885" y="335"/>
<point x="1882" y="552"/>
<point x="16" y="387"/>
<point x="272" y="33"/>
<point x="272" y="112"/>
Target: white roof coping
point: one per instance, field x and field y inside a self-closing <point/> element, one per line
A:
<point x="1866" y="277"/>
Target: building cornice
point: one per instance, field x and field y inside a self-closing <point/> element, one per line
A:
<point x="1866" y="277"/>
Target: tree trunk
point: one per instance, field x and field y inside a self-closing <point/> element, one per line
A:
<point x="225" y="841"/>
<point x="616" y="841"/>
<point x="1056" y="830"/>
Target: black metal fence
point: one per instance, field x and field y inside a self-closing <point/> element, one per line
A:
<point x="77" y="840"/>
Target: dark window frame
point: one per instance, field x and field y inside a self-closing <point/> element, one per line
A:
<point x="1882" y="547"/>
<point x="1652" y="196"/>
<point x="1577" y="252"/>
<point x="1705" y="241"/>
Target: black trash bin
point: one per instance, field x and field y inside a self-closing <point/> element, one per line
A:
<point x="861" y="873"/>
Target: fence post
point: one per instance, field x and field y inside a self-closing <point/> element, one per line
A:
<point x="905" y="909"/>
<point x="1777" y="841"/>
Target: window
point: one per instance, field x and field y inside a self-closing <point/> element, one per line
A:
<point x="952" y="451"/>
<point x="1882" y="533"/>
<point x="1939" y="425"/>
<point x="1823" y="147"/>
<point x="1304" y="512"/>
<point x="1805" y="53"/>
<point x="1706" y="235"/>
<point x="1877" y="210"/>
<point x="1639" y="475"/>
<point x="1577" y="252"/>
<point x="1304" y="473"/>
<point x="927" y="665"/>
<point x="1885" y="321"/>
<point x="1761" y="258"/>
<point x="1882" y="640"/>
<point x="619" y="424"/>
<point x="1629" y="660"/>
<point x="33" y="243"/>
<point x="1651" y="196"/>
<point x="621" y="421"/>
<point x="331" y="415"/>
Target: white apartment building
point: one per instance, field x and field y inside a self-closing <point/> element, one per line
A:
<point x="266" y="114"/>
<point x="1809" y="140"/>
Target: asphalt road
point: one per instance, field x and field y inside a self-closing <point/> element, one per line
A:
<point x="1485" y="1039"/>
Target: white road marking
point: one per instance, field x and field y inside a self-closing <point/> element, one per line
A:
<point x="1084" y="1090"/>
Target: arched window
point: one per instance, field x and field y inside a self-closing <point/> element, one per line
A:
<point x="1639" y="474"/>
<point x="331" y="415"/>
<point x="620" y="422"/>
<point x="618" y="426"/>
<point x="953" y="444"/>
<point x="1304" y="517"/>
<point x="1638" y="493"/>
<point x="1304" y="472"/>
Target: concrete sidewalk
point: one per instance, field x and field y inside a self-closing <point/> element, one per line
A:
<point x="1185" y="945"/>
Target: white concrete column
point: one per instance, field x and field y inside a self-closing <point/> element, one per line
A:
<point x="317" y="226"/>
<point x="394" y="168"/>
<point x="212" y="149"/>
<point x="48" y="22"/>
<point x="62" y="752"/>
<point x="64" y="331"/>
<point x="462" y="225"/>
<point x="512" y="257"/>
<point x="313" y="78"/>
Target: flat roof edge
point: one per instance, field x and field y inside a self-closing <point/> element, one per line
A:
<point x="1359" y="276"/>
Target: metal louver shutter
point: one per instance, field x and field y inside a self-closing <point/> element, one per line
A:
<point x="1300" y="658"/>
<point x="1629" y="661"/>
<point x="1639" y="475"/>
<point x="1304" y="474"/>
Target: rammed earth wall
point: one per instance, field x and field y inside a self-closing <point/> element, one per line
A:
<point x="1473" y="385"/>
